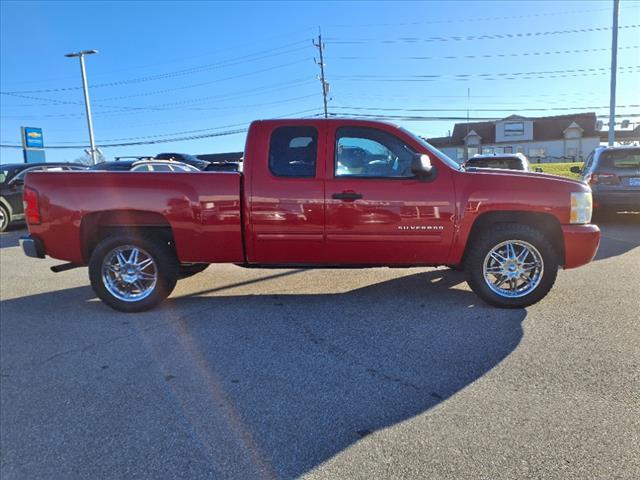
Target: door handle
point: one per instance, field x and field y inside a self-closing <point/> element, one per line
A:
<point x="347" y="196"/>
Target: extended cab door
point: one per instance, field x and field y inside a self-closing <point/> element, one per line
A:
<point x="286" y="193"/>
<point x="377" y="211"/>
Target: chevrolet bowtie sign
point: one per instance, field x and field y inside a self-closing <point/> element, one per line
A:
<point x="32" y="144"/>
<point x="32" y="137"/>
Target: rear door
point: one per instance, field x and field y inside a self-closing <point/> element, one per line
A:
<point x="378" y="212"/>
<point x="287" y="194"/>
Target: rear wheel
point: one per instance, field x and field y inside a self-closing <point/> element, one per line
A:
<point x="132" y="273"/>
<point x="511" y="266"/>
<point x="4" y="218"/>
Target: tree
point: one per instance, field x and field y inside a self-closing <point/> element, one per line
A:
<point x="85" y="158"/>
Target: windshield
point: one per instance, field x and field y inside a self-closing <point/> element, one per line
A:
<point x="449" y="161"/>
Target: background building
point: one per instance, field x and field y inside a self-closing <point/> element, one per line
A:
<point x="544" y="139"/>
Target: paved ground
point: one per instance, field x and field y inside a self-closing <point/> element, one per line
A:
<point x="324" y="374"/>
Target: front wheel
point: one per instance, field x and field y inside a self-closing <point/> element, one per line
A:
<point x="511" y="266"/>
<point x="132" y="273"/>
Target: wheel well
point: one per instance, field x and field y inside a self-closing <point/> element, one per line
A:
<point x="544" y="222"/>
<point x="97" y="226"/>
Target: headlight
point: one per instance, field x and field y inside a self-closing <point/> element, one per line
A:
<point x="581" y="207"/>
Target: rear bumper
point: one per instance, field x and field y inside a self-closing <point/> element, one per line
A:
<point x="32" y="247"/>
<point x="580" y="244"/>
<point x="625" y="200"/>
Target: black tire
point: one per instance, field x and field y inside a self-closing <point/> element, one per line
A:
<point x="186" y="270"/>
<point x="496" y="235"/>
<point x="5" y="218"/>
<point x="165" y="268"/>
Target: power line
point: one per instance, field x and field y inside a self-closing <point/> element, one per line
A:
<point x="421" y="118"/>
<point x="236" y="93"/>
<point x="579" y="72"/>
<point x="168" y="140"/>
<point x="495" y="36"/>
<point x="476" y="19"/>
<point x="383" y="109"/>
<point x="166" y="106"/>
<point x="138" y="110"/>
<point x="166" y="75"/>
<point x="497" y="55"/>
<point x="183" y="58"/>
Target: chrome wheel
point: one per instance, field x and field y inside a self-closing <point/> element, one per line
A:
<point x="129" y="273"/>
<point x="4" y="219"/>
<point x="513" y="268"/>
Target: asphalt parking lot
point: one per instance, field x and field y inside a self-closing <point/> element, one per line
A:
<point x="381" y="373"/>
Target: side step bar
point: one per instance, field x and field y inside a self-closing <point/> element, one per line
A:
<point x="64" y="267"/>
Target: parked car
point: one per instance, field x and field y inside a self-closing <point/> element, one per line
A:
<point x="144" y="166"/>
<point x="614" y="176"/>
<point x="304" y="199"/>
<point x="184" y="158"/>
<point x="11" y="185"/>
<point x="223" y="162"/>
<point x="507" y="161"/>
<point x="161" y="166"/>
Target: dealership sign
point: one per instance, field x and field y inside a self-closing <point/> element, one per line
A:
<point x="32" y="144"/>
<point x="32" y="137"/>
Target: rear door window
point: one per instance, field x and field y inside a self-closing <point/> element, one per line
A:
<point x="293" y="152"/>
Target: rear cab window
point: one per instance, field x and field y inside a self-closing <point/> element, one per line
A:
<point x="293" y="152"/>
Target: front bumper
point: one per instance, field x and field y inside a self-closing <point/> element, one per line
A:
<point x="580" y="244"/>
<point x="32" y="247"/>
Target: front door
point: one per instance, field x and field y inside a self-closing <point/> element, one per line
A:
<point x="378" y="212"/>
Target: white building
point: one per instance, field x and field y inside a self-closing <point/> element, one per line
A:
<point x="562" y="138"/>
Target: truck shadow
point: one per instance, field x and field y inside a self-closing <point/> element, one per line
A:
<point x="310" y="375"/>
<point x="306" y="375"/>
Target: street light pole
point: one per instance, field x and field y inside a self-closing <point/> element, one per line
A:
<point x="614" y="67"/>
<point x="92" y="149"/>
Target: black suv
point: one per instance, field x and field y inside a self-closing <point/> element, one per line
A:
<point x="12" y="182"/>
<point x="614" y="176"/>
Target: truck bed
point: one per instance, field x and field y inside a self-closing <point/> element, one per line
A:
<point x="202" y="209"/>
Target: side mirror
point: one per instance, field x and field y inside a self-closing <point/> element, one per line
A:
<point x="421" y="166"/>
<point x="575" y="169"/>
<point x="539" y="169"/>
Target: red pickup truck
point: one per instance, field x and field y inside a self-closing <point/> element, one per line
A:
<point x="314" y="193"/>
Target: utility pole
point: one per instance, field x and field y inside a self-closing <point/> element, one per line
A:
<point x="325" y="85"/>
<point x="92" y="149"/>
<point x="466" y="148"/>
<point x="614" y="68"/>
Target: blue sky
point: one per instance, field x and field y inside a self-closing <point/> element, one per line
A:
<point x="165" y="68"/>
